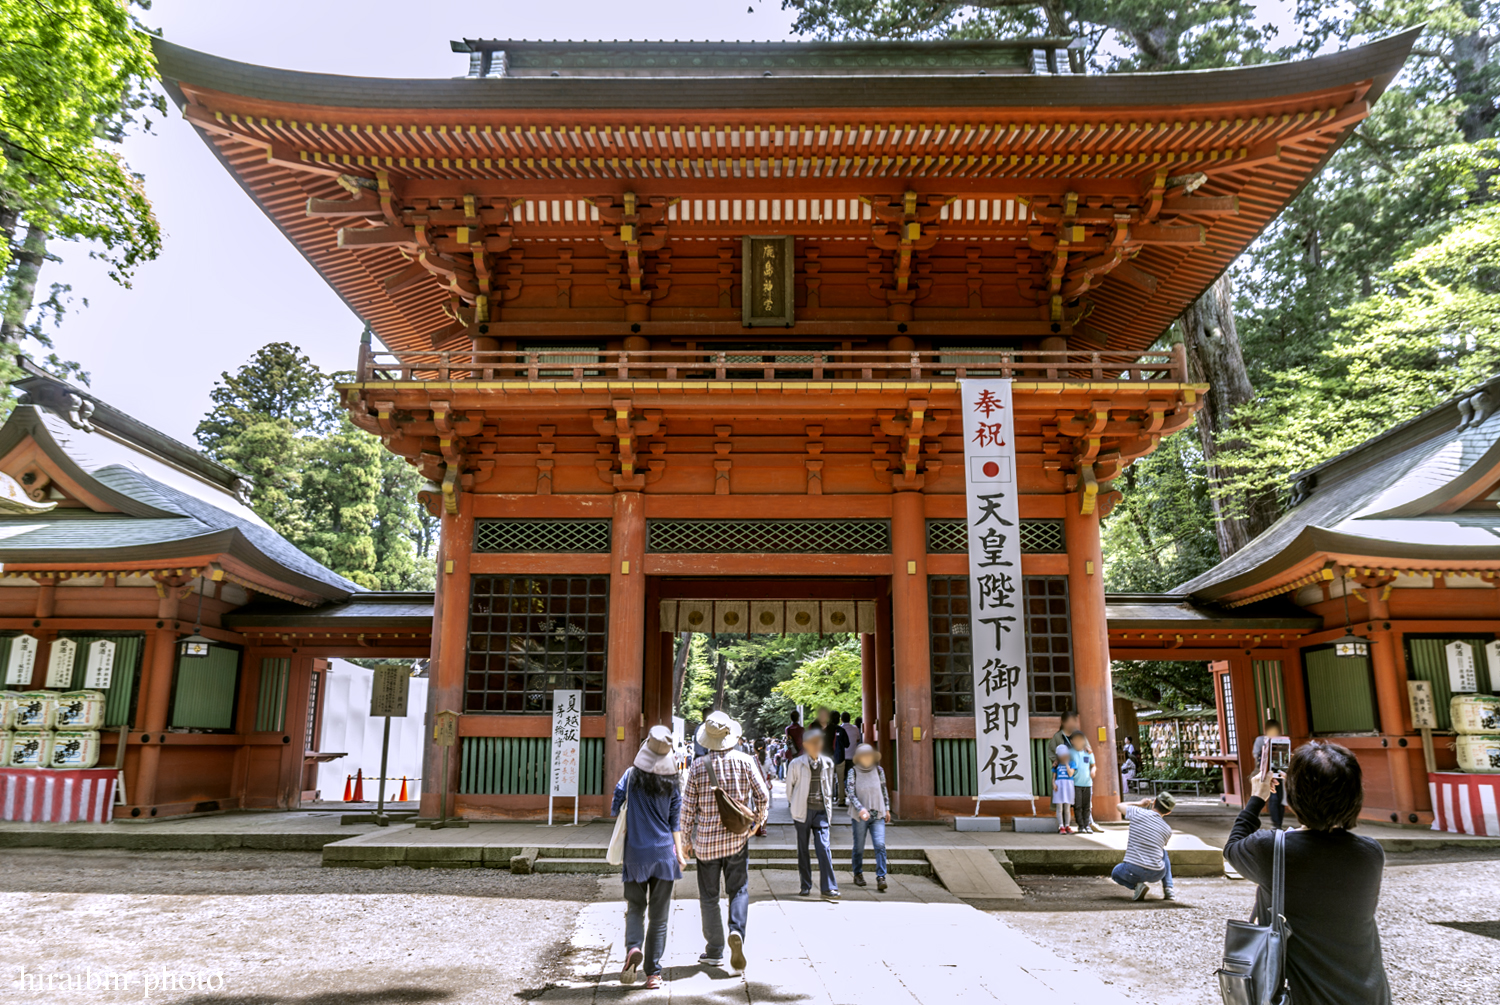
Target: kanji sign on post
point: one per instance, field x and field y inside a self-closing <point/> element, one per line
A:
<point x="22" y="659"/>
<point x="567" y="725"/>
<point x="388" y="691"/>
<point x="445" y="728"/>
<point x="1002" y="730"/>
<point x="1462" y="673"/>
<point x="100" y="669"/>
<point x="60" y="663"/>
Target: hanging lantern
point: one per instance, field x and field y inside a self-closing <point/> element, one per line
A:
<point x="194" y="646"/>
<point x="1352" y="646"/>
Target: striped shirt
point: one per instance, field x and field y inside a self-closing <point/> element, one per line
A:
<point x="742" y="781"/>
<point x="1146" y="844"/>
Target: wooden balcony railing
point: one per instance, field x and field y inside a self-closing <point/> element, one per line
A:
<point x="569" y="364"/>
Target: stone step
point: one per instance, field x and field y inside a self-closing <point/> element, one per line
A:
<point x="904" y="867"/>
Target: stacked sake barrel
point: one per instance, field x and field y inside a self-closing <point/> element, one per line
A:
<point x="48" y="729"/>
<point x="1476" y="720"/>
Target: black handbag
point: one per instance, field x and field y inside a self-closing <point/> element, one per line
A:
<point x="1253" y="971"/>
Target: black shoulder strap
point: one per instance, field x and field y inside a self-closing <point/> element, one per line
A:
<point x="1278" y="881"/>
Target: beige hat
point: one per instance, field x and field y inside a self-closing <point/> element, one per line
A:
<point x="719" y="732"/>
<point x="656" y="755"/>
<point x="865" y="748"/>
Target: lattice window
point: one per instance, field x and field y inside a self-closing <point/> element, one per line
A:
<point x="1231" y="739"/>
<point x="1049" y="644"/>
<point x="530" y="635"/>
<point x="1038" y="537"/>
<point x="541" y="535"/>
<point x="825" y="537"/>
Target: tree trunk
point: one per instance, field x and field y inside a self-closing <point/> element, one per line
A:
<point x="1215" y="358"/>
<point x="679" y="666"/>
<point x="20" y="292"/>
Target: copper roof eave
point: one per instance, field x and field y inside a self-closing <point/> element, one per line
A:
<point x="1377" y="62"/>
<point x="1315" y="541"/>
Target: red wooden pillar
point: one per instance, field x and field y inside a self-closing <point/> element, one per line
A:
<point x="885" y="689"/>
<point x="867" y="673"/>
<point x="1391" y="698"/>
<point x="450" y="649"/>
<point x="1246" y="721"/>
<point x="156" y="693"/>
<point x="909" y="629"/>
<point x="1092" y="683"/>
<point x="627" y="626"/>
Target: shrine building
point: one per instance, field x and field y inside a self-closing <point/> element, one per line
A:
<point x="1386" y="561"/>
<point x="675" y="331"/>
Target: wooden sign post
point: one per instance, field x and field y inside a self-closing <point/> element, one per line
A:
<point x="445" y="735"/>
<point x="567" y="728"/>
<point x="388" y="694"/>
<point x="1423" y="717"/>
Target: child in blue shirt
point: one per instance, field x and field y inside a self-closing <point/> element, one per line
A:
<point x="1084" y="766"/>
<point x="1062" y="788"/>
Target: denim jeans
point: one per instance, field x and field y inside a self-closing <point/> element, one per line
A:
<point x="735" y="869"/>
<point x="815" y="828"/>
<point x="875" y="826"/>
<point x="1128" y="874"/>
<point x="655" y="896"/>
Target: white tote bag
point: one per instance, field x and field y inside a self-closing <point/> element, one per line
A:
<point x="616" y="853"/>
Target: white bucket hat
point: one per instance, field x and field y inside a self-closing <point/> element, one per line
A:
<point x="656" y="756"/>
<point x="719" y="732"/>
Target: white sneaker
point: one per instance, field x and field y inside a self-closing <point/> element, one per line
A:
<point x="737" y="952"/>
<point x="632" y="966"/>
<point x="1140" y="892"/>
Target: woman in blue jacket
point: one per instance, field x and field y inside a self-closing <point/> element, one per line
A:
<point x="651" y="791"/>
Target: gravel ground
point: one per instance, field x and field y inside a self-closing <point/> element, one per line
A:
<point x="1439" y="925"/>
<point x="280" y="929"/>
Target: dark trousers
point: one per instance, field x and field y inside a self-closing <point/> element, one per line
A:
<point x="1276" y="808"/>
<point x="735" y="870"/>
<point x="815" y="829"/>
<point x="652" y="899"/>
<point x="1083" y="806"/>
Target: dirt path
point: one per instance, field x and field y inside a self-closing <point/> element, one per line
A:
<point x="1439" y="925"/>
<point x="264" y="928"/>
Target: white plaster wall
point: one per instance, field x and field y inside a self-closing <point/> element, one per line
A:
<point x="347" y="727"/>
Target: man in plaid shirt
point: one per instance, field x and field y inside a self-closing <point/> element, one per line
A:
<point x="720" y="853"/>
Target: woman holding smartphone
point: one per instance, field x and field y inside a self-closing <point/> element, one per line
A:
<point x="1276" y="805"/>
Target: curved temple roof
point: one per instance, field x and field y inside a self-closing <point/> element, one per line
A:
<point x="1041" y="147"/>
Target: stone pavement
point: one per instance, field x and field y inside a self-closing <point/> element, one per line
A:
<point x="914" y="944"/>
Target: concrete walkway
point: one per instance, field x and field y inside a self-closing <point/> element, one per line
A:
<point x="913" y="944"/>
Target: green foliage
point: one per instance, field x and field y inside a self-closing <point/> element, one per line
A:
<point x="73" y="77"/>
<point x="1139" y="35"/>
<point x="1163" y="684"/>
<point x="1161" y="532"/>
<point x="757" y="664"/>
<point x="829" y="678"/>
<point x="328" y="487"/>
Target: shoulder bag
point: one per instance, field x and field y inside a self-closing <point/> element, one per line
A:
<point x="616" y="853"/>
<point x="735" y="815"/>
<point x="1253" y="971"/>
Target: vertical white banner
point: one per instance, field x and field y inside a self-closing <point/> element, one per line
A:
<point x="1002" y="726"/>
<point x="100" y="669"/>
<point x="567" y="723"/>
<point x="22" y="661"/>
<point x="60" y="664"/>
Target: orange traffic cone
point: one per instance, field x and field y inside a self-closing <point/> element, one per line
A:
<point x="402" y="797"/>
<point x="348" y="787"/>
<point x="359" y="785"/>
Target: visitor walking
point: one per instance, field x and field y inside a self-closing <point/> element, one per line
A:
<point x="1084" y="765"/>
<point x="1332" y="878"/>
<point x="1146" y="859"/>
<point x="794" y="735"/>
<point x="1276" y="805"/>
<point x="869" y="809"/>
<point x="841" y="750"/>
<point x="809" y="791"/>
<point x="1062" y="786"/>
<point x="651" y="788"/>
<point x="723" y="855"/>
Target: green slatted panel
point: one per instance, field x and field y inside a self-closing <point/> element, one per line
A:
<point x="521" y="765"/>
<point x="955" y="768"/>
<point x="270" y="709"/>
<point x="1270" y="698"/>
<point x="205" y="689"/>
<point x="119" y="697"/>
<point x="1340" y="692"/>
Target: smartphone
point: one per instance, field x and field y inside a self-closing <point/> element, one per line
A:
<point x="1279" y="752"/>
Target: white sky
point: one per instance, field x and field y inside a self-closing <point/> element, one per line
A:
<point x="227" y="282"/>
